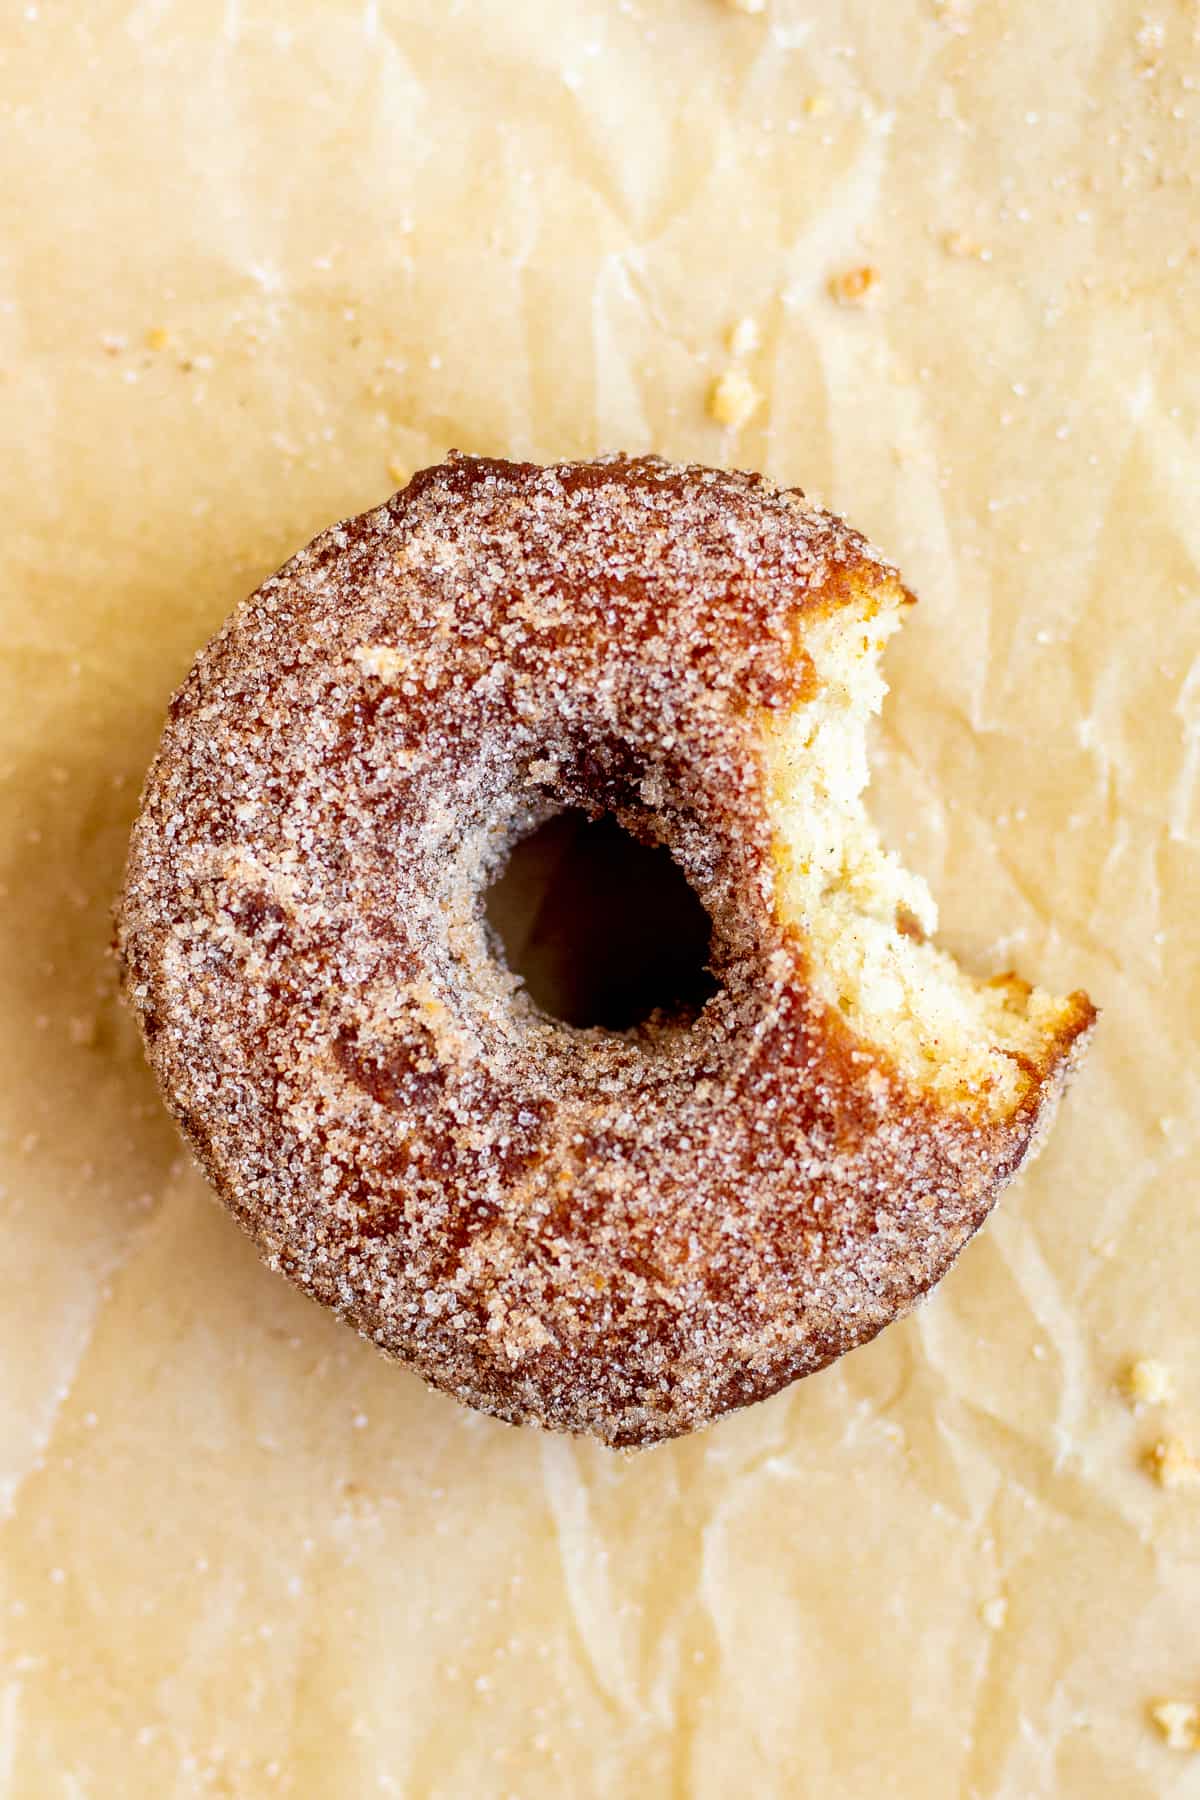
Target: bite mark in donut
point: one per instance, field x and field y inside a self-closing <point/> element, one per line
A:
<point x="620" y="1233"/>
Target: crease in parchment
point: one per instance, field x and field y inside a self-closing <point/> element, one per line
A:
<point x="582" y="1559"/>
<point x="61" y="1396"/>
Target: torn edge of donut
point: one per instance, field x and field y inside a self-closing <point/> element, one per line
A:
<point x="984" y="1043"/>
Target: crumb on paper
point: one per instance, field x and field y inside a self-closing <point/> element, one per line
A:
<point x="1179" y="1722"/>
<point x="381" y="660"/>
<point x="1147" y="1382"/>
<point x="399" y="472"/>
<point x="83" y="1031"/>
<point x="853" y="287"/>
<point x="994" y="1612"/>
<point x="961" y="244"/>
<point x="744" y="337"/>
<point x="1172" y="1464"/>
<point x="734" y="399"/>
<point x="157" y="338"/>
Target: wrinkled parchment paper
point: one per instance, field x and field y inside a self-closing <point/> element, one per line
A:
<point x="258" y="259"/>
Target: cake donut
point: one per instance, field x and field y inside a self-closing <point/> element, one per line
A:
<point x="630" y="1233"/>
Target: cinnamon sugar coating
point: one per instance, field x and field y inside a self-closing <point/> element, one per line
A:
<point x="622" y="1235"/>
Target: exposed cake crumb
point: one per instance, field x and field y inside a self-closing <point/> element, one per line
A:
<point x="854" y="287"/>
<point x="746" y="6"/>
<point x="1179" y="1723"/>
<point x="744" y="337"/>
<point x="1172" y="1464"/>
<point x="734" y="399"/>
<point x="157" y="338"/>
<point x="1148" y="1383"/>
<point x="818" y="105"/>
<point x="994" y="1612"/>
<point x="399" y="472"/>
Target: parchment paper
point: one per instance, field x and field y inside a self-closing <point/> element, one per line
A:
<point x="254" y="258"/>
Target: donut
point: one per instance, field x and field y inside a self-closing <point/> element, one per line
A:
<point x="624" y="1233"/>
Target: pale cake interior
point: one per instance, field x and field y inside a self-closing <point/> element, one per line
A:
<point x="868" y="918"/>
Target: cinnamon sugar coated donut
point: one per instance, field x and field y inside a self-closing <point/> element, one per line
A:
<point x="626" y="1234"/>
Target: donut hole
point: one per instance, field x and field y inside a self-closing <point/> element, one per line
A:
<point x="604" y="931"/>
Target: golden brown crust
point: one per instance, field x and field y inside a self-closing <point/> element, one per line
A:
<point x="621" y="1235"/>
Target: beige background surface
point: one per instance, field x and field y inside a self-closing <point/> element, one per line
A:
<point x="251" y="254"/>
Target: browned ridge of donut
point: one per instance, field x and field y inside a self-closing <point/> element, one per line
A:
<point x="626" y="1234"/>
